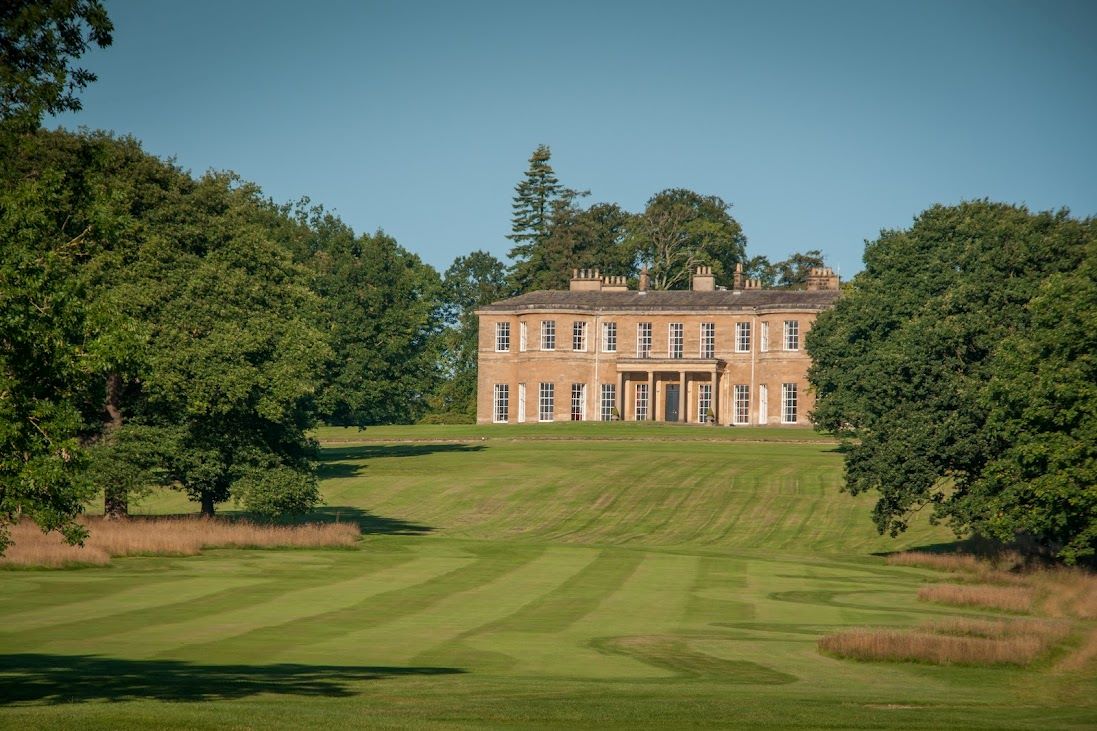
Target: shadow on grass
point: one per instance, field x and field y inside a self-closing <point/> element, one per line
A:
<point x="81" y="678"/>
<point x="342" y="461"/>
<point x="368" y="523"/>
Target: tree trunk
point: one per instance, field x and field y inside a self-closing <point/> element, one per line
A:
<point x="115" y="500"/>
<point x="207" y="505"/>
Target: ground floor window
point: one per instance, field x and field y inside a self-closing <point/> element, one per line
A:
<point x="742" y="404"/>
<point x="788" y="403"/>
<point x="546" y="401"/>
<point x="641" y="401"/>
<point x="763" y="404"/>
<point x="578" y="401"/>
<point x="609" y="400"/>
<point x="704" y="402"/>
<point x="501" y="403"/>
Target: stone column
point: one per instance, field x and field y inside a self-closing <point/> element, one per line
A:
<point x="715" y="396"/>
<point x="621" y="395"/>
<point x="651" y="396"/>
<point x="682" y="396"/>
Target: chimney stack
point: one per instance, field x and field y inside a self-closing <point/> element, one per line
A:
<point x="822" y="278"/>
<point x="586" y="280"/>
<point x="737" y="280"/>
<point x="645" y="280"/>
<point x="703" y="280"/>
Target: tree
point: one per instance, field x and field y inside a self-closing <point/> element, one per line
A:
<point x="533" y="199"/>
<point x="1041" y="402"/>
<point x="679" y="230"/>
<point x="791" y="273"/>
<point x="470" y="282"/>
<point x="39" y="39"/>
<point x="50" y="344"/>
<point x="577" y="238"/>
<point x="901" y="364"/>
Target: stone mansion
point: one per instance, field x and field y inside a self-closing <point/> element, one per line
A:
<point x="600" y="351"/>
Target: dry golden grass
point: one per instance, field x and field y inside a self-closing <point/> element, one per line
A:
<point x="183" y="536"/>
<point x="940" y="561"/>
<point x="1048" y="631"/>
<point x="986" y="596"/>
<point x="939" y="649"/>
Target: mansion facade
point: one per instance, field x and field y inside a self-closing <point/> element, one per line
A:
<point x="602" y="352"/>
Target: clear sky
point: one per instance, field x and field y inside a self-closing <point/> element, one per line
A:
<point x="821" y="122"/>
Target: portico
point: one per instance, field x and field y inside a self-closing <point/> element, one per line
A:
<point x="669" y="381"/>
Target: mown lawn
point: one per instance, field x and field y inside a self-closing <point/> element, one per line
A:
<point x="574" y="575"/>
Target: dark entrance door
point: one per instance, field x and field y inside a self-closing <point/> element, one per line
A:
<point x="671" y="409"/>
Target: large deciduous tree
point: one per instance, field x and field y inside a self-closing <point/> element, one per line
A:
<point x="39" y="41"/>
<point x="470" y="282"/>
<point x="910" y="365"/>
<point x="679" y="230"/>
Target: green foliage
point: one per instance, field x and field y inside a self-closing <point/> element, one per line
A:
<point x="470" y="282"/>
<point x="38" y="41"/>
<point x="277" y="493"/>
<point x="1041" y="403"/>
<point x="679" y="230"/>
<point x="902" y="365"/>
<point x="790" y="273"/>
<point x="534" y="196"/>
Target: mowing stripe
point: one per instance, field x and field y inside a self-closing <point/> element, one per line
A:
<point x="573" y="599"/>
<point x="163" y="638"/>
<point x="140" y="597"/>
<point x="291" y="633"/>
<point x="410" y="634"/>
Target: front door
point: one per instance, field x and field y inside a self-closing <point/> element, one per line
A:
<point x="671" y="409"/>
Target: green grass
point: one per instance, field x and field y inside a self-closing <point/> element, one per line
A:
<point x="575" y="575"/>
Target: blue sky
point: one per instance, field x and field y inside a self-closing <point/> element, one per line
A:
<point x="821" y="122"/>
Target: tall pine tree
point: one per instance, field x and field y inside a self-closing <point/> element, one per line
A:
<point x="533" y="199"/>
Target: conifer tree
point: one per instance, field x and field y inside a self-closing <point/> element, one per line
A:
<point x="533" y="199"/>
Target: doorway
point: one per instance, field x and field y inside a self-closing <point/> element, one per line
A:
<point x="671" y="410"/>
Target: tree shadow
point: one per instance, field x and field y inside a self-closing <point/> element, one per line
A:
<point x="344" y="461"/>
<point x="368" y="523"/>
<point x="82" y="678"/>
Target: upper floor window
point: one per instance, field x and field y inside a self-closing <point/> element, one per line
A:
<point x="502" y="336"/>
<point x="609" y="337"/>
<point x="763" y="337"/>
<point x="523" y="337"/>
<point x="579" y="335"/>
<point x="643" y="340"/>
<point x="674" y="340"/>
<point x="742" y="337"/>
<point x="708" y="340"/>
<point x="548" y="334"/>
<point x="792" y="334"/>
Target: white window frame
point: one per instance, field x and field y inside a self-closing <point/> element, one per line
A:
<point x="521" y="403"/>
<point x="548" y="334"/>
<point x="500" y="405"/>
<point x="704" y="402"/>
<point x="763" y="337"/>
<point x="792" y="334"/>
<point x="609" y="337"/>
<point x="579" y="336"/>
<point x="643" y="340"/>
<point x="763" y="405"/>
<point x="523" y="337"/>
<point x="609" y="401"/>
<point x="502" y="337"/>
<point x="740" y="405"/>
<point x="789" y="403"/>
<point x="578" y="402"/>
<point x="676" y="339"/>
<point x="742" y="337"/>
<point x="708" y="340"/>
<point x="642" y="402"/>
<point x="546" y="402"/>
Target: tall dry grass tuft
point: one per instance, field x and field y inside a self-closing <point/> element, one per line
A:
<point x="177" y="536"/>
<point x="940" y="561"/>
<point x="900" y="645"/>
<point x="1004" y="598"/>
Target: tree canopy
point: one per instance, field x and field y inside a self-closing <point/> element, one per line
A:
<point x="927" y="365"/>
